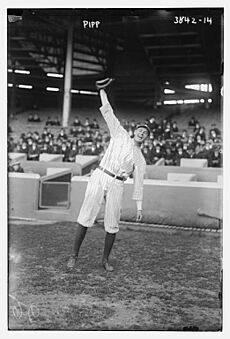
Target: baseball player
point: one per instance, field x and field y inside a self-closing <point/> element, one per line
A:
<point x="122" y="158"/>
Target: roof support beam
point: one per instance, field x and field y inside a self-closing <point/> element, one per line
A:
<point x="180" y="65"/>
<point x="161" y="35"/>
<point x="177" y="56"/>
<point x="173" y="46"/>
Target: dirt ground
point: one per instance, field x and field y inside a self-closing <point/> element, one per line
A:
<point x="163" y="280"/>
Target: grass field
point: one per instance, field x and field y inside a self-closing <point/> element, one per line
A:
<point x="163" y="280"/>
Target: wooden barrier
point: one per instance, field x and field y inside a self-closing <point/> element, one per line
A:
<point x="17" y="156"/>
<point x="181" y="177"/>
<point x="50" y="157"/>
<point x="204" y="174"/>
<point x="184" y="162"/>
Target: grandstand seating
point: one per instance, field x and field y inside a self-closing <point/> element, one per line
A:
<point x="20" y="124"/>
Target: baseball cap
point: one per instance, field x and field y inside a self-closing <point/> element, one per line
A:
<point x="144" y="126"/>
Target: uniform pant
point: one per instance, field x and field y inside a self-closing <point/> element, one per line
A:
<point x="99" y="186"/>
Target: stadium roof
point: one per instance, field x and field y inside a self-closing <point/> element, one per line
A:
<point x="141" y="48"/>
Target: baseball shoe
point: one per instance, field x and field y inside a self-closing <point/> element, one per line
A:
<point x="71" y="263"/>
<point x="107" y="266"/>
<point x="102" y="84"/>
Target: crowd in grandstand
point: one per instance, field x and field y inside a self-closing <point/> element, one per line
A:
<point x="87" y="138"/>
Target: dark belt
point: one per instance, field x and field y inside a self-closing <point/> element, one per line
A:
<point x="110" y="173"/>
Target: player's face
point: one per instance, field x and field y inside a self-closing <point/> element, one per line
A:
<point x="140" y="134"/>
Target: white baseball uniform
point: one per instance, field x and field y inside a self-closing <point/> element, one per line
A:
<point x="121" y="156"/>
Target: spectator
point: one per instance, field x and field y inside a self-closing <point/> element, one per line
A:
<point x="215" y="159"/>
<point x="56" y="122"/>
<point x="15" y="166"/>
<point x="59" y="145"/>
<point x="44" y="133"/>
<point x="50" y="146"/>
<point x="55" y="149"/>
<point x="35" y="136"/>
<point x="33" y="152"/>
<point x="196" y="128"/>
<point x="156" y="155"/>
<point x="87" y="122"/>
<point x="179" y="155"/>
<point x="49" y="122"/>
<point x="65" y="152"/>
<point x="11" y="145"/>
<point x="152" y="124"/>
<point x="50" y="134"/>
<point x="91" y="151"/>
<point x="191" y="150"/>
<point x="72" y="153"/>
<point x="80" y="147"/>
<point x="95" y="124"/>
<point x="36" y="118"/>
<point x="184" y="136"/>
<point x="132" y="126"/>
<point x="159" y="130"/>
<point x="30" y="118"/>
<point x="96" y="136"/>
<point x="126" y="125"/>
<point x="198" y="151"/>
<point x="73" y="131"/>
<point x="76" y="122"/>
<point x="28" y="136"/>
<point x="47" y="139"/>
<point x="62" y="135"/>
<point x="185" y="151"/>
<point x="164" y="123"/>
<point x="130" y="131"/>
<point x="80" y="132"/>
<point x="169" y="161"/>
<point x="202" y="134"/>
<point x="151" y="136"/>
<point x="167" y="132"/>
<point x="175" y="128"/>
<point x="105" y="137"/>
<point x="214" y="136"/>
<point x="216" y="130"/>
<point x="199" y="140"/>
<point x="25" y="147"/>
<point x="88" y="137"/>
<point x="99" y="147"/>
<point x="192" y="122"/>
<point x="29" y="143"/>
<point x="44" y="148"/>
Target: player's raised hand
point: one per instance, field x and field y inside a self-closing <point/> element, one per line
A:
<point x="139" y="216"/>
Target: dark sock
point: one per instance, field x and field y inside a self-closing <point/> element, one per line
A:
<point x="79" y="237"/>
<point x="109" y="240"/>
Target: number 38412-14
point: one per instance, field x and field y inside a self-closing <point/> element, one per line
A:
<point x="191" y="20"/>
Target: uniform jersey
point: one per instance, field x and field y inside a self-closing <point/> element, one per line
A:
<point x="122" y="155"/>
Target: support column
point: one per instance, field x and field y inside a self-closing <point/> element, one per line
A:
<point x="68" y="75"/>
<point x="12" y="108"/>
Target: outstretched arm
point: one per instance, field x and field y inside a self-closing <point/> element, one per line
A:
<point x="111" y="120"/>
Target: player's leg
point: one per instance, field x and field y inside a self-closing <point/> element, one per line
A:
<point x="111" y="221"/>
<point x="109" y="241"/>
<point x="89" y="210"/>
<point x="79" y="237"/>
